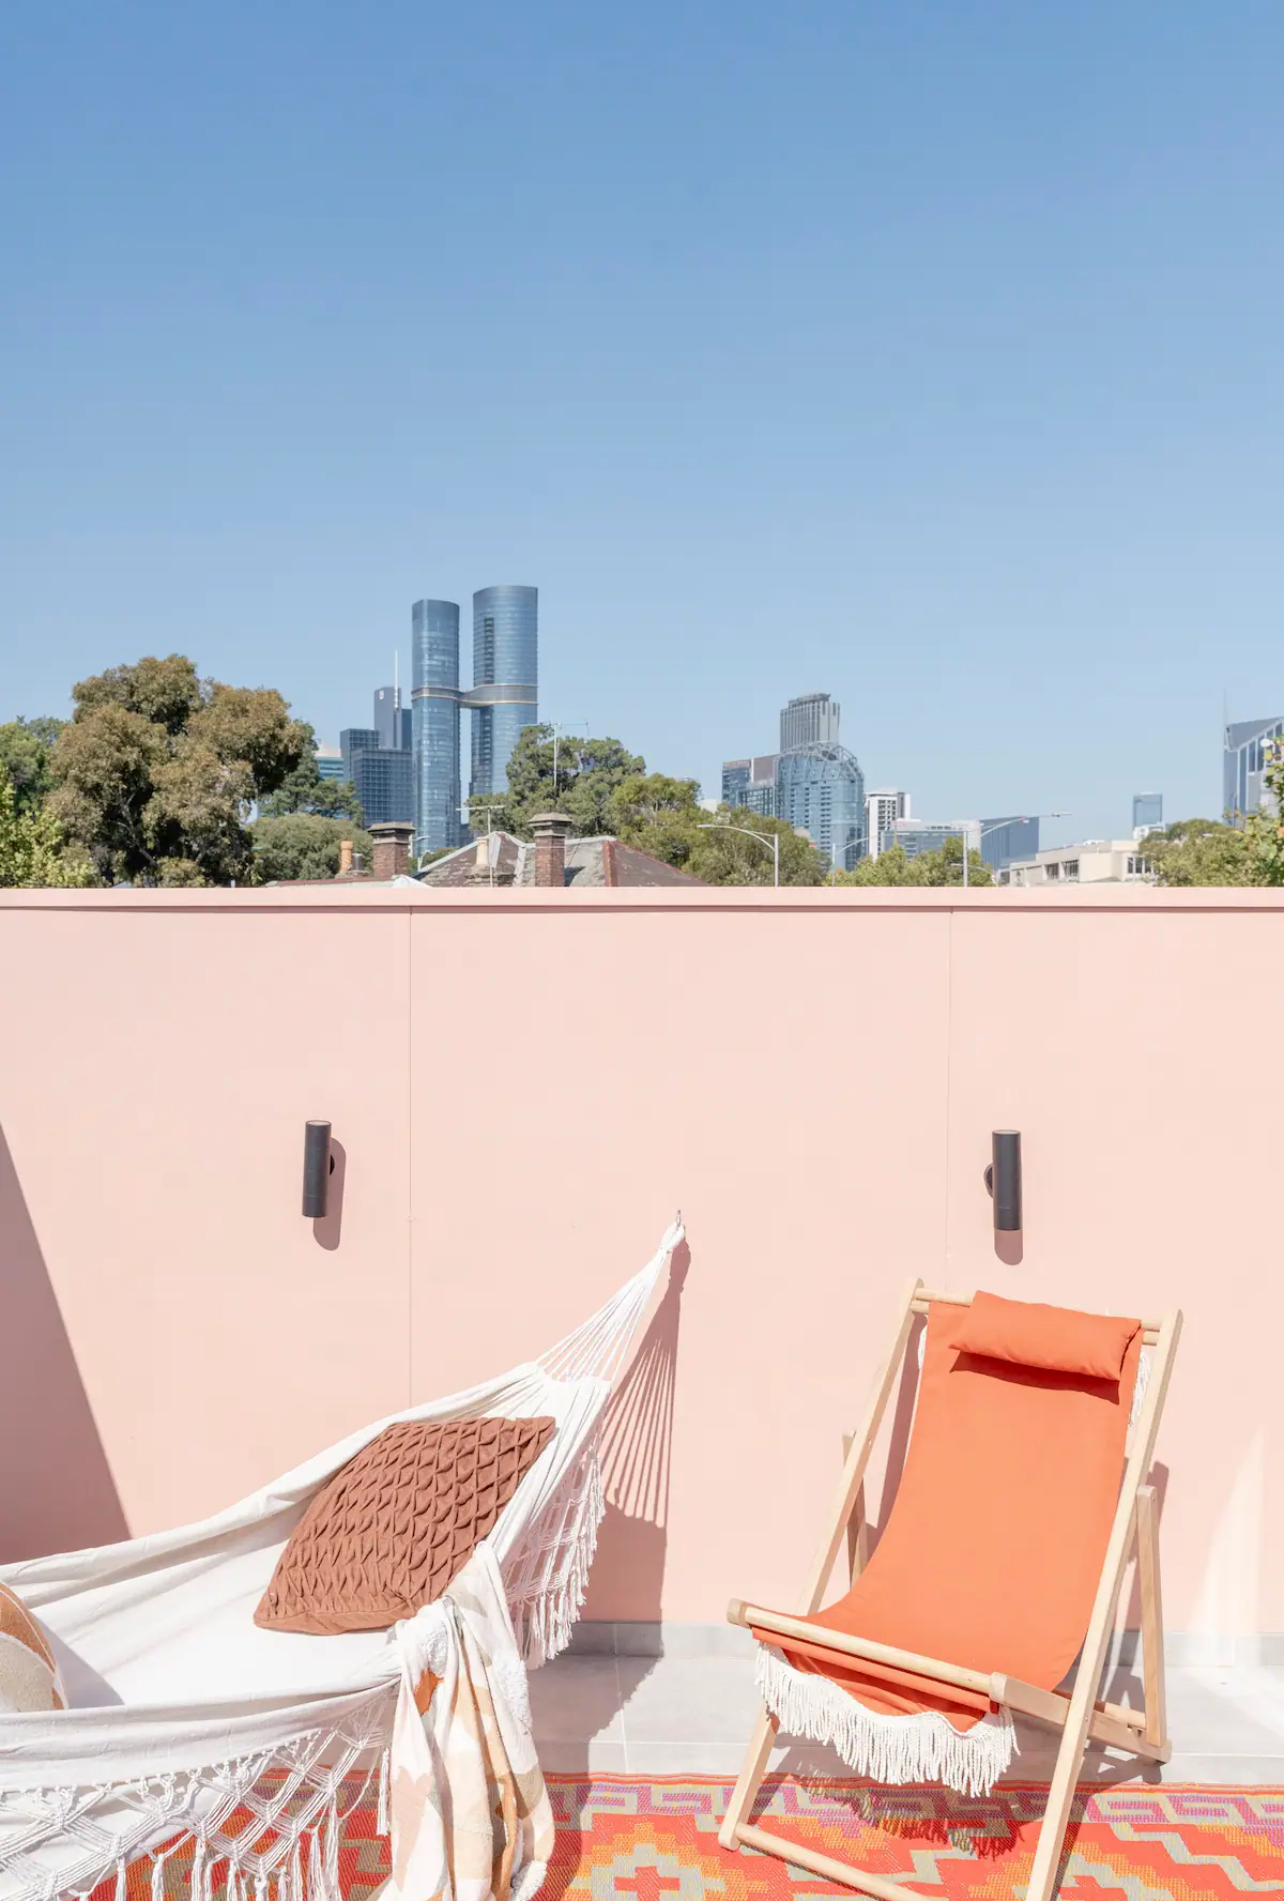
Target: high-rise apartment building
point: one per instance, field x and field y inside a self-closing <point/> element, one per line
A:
<point x="1243" y="760"/>
<point x="820" y="790"/>
<point x="916" y="835"/>
<point x="1147" y="811"/>
<point x="435" y="702"/>
<point x="330" y="763"/>
<point x="385" y="784"/>
<point x="810" y="720"/>
<point x="393" y="721"/>
<point x="352" y="740"/>
<point x="883" y="806"/>
<point x="505" y="691"/>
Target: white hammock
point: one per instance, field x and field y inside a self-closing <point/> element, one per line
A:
<point x="185" y="1715"/>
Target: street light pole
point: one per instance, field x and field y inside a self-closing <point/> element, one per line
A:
<point x="1022" y="818"/>
<point x="763" y="838"/>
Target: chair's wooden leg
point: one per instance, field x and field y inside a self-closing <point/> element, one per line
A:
<point x="1065" y="1777"/>
<point x="761" y="1743"/>
<point x="1152" y="1616"/>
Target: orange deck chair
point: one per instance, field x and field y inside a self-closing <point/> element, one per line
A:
<point x="1019" y="1506"/>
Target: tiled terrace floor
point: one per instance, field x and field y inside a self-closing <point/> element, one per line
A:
<point x="691" y="1715"/>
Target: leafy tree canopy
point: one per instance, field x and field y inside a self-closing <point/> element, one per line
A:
<point x="303" y="845"/>
<point x="943" y="867"/>
<point x="156" y="771"/>
<point x="587" y="772"/>
<point x="304" y="790"/>
<point x="723" y="854"/>
<point x="1197" y="851"/>
<point x="1264" y="829"/>
<point x="25" y="747"/>
<point x="31" y="846"/>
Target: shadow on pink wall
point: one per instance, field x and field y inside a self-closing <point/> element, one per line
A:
<point x="637" y="1441"/>
<point x="56" y="1488"/>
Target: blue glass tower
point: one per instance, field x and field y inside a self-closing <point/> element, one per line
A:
<point x="435" y="700"/>
<point x="504" y="697"/>
<point x="820" y="790"/>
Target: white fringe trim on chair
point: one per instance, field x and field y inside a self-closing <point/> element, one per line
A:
<point x="895" y="1749"/>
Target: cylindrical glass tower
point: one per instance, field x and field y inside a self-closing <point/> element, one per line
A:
<point x="505" y="693"/>
<point x="435" y="706"/>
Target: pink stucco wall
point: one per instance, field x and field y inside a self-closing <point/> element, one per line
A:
<point x="526" y="1087"/>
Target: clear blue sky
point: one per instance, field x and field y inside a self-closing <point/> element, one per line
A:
<point x="927" y="353"/>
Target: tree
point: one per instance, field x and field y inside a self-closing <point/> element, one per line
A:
<point x="587" y="772"/>
<point x="657" y="814"/>
<point x="723" y="855"/>
<point x="25" y="749"/>
<point x="304" y="790"/>
<point x="1197" y="851"/>
<point x="157" y="770"/>
<point x="943" y="867"/>
<point x="302" y="845"/>
<point x="1264" y="828"/>
<point x="31" y="847"/>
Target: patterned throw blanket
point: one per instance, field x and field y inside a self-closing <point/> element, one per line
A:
<point x="468" y="1813"/>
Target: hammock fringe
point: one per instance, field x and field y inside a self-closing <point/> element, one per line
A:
<point x="924" y="1747"/>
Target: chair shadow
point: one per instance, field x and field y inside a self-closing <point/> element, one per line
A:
<point x="635" y="1454"/>
<point x="56" y="1488"/>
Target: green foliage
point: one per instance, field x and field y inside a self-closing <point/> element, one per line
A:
<point x="25" y="747"/>
<point x="31" y="846"/>
<point x="588" y="772"/>
<point x="303" y="845"/>
<point x="1198" y="851"/>
<point x="1264" y="829"/>
<point x="157" y="770"/>
<point x="657" y="814"/>
<point x="723" y="855"/>
<point x="304" y="790"/>
<point x="943" y="867"/>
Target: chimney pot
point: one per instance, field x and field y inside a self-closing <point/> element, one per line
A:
<point x="392" y="842"/>
<point x="550" y="831"/>
<point x="345" y="857"/>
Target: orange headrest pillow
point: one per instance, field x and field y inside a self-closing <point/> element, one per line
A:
<point x="1029" y="1334"/>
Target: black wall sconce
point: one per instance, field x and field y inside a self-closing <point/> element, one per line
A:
<point x="1003" y="1179"/>
<point x="318" y="1165"/>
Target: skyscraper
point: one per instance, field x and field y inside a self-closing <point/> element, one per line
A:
<point x="435" y="702"/>
<point x="751" y="783"/>
<point x="820" y="790"/>
<point x="352" y="740"/>
<point x="385" y="784"/>
<point x="810" y="720"/>
<point x="1003" y="839"/>
<point x="504" y="696"/>
<point x="883" y="806"/>
<point x="1147" y="813"/>
<point x="1243" y="758"/>
<point x="393" y="721"/>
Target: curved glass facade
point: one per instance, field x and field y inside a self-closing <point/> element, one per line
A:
<point x="505" y="694"/>
<point x="435" y="709"/>
<point x="820" y="790"/>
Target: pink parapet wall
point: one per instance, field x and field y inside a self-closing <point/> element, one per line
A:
<point x="525" y="1085"/>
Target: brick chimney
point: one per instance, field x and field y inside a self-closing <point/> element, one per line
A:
<point x="551" y="831"/>
<point x="345" y="858"/>
<point x="392" y="842"/>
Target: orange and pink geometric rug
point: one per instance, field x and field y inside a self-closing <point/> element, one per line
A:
<point x="656" y="1839"/>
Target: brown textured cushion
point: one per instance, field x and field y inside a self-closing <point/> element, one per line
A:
<point x="29" y="1675"/>
<point x="390" y="1531"/>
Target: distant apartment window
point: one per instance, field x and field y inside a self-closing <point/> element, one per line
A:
<point x="1071" y="868"/>
<point x="1138" y="867"/>
<point x="1052" y="871"/>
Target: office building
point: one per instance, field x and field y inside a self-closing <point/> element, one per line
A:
<point x="1147" y="813"/>
<point x="883" y="806"/>
<point x="385" y="784"/>
<point x="1243" y="760"/>
<point x="1095" y="861"/>
<point x="810" y="720"/>
<point x="1003" y="839"/>
<point x="393" y="721"/>
<point x="330" y="763"/>
<point x="353" y="740"/>
<point x="504" y="696"/>
<point x="820" y="790"/>
<point x="750" y="784"/>
<point x="435" y="702"/>
<point x="915" y="835"/>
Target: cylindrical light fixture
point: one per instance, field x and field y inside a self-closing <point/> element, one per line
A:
<point x="316" y="1168"/>
<point x="1003" y="1179"/>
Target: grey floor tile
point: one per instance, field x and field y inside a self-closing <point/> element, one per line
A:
<point x="599" y="1756"/>
<point x="687" y="1700"/>
<point x="678" y="1759"/>
<point x="575" y="1699"/>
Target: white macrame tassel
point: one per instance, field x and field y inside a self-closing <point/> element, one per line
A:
<point x="385" y="1774"/>
<point x="122" y="1889"/>
<point x="924" y="1747"/>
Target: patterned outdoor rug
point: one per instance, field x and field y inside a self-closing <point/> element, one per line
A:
<point x="649" y="1839"/>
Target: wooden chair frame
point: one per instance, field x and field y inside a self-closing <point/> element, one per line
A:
<point x="1081" y="1716"/>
